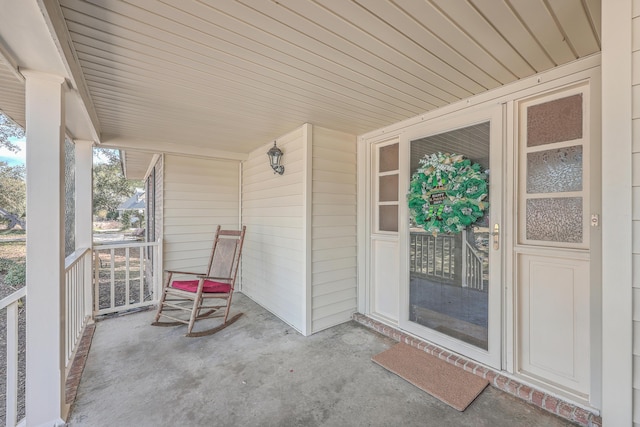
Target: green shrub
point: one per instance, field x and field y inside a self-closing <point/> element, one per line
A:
<point x="5" y="264"/>
<point x="16" y="275"/>
<point x="125" y="220"/>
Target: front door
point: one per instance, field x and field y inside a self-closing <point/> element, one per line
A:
<point x="451" y="292"/>
<point x="506" y="272"/>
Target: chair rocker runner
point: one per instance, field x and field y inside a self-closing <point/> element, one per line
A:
<point x="194" y="296"/>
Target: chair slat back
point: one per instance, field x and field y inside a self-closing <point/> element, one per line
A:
<point x="227" y="249"/>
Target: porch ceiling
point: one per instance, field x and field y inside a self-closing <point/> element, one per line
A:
<point x="231" y="75"/>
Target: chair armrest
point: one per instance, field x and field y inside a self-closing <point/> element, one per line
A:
<point x="184" y="272"/>
<point x="216" y="278"/>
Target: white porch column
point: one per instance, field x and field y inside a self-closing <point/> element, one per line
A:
<point x="84" y="211"/>
<point x="617" y="231"/>
<point x="44" y="99"/>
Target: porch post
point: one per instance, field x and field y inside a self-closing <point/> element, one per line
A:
<point x="84" y="212"/>
<point x="44" y="104"/>
<point x="617" y="208"/>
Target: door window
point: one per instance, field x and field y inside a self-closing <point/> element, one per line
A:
<point x="553" y="173"/>
<point x="449" y="272"/>
<point x="387" y="194"/>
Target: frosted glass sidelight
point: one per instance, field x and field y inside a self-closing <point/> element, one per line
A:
<point x="555" y="121"/>
<point x="389" y="188"/>
<point x="388" y="158"/>
<point x="388" y="217"/>
<point x="555" y="219"/>
<point x="555" y="171"/>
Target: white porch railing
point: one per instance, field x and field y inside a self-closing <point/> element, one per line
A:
<point x="12" y="304"/>
<point x="433" y="256"/>
<point x="447" y="258"/>
<point x="77" y="315"/>
<point x="472" y="267"/>
<point x="131" y="273"/>
<point x="126" y="276"/>
<point x="77" y="278"/>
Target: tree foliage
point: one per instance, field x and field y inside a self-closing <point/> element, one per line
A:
<point x="8" y="129"/>
<point x="110" y="187"/>
<point x="13" y="189"/>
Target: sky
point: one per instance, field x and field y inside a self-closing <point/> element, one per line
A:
<point x="11" y="158"/>
<point x="19" y="158"/>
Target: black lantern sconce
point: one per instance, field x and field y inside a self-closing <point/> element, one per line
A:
<point x="275" y="156"/>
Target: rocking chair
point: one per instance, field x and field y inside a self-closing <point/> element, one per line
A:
<point x="217" y="283"/>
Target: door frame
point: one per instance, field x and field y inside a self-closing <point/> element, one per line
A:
<point x="587" y="69"/>
<point x="493" y="113"/>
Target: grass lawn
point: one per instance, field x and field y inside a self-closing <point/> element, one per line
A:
<point x="12" y="232"/>
<point x="15" y="251"/>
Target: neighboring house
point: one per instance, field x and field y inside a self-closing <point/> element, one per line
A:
<point x="544" y="95"/>
<point x="135" y="203"/>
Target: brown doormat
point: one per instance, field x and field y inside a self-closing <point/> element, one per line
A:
<point x="451" y="384"/>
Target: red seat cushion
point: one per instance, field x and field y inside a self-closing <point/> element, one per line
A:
<point x="210" y="286"/>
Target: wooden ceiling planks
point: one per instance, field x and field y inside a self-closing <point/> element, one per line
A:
<point x="237" y="74"/>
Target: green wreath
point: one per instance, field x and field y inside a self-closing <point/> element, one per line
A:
<point x="447" y="193"/>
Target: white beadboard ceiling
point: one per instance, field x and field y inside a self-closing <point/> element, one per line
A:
<point x="11" y="94"/>
<point x="232" y="75"/>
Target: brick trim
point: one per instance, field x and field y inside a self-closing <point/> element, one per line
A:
<point x="77" y="366"/>
<point x="539" y="398"/>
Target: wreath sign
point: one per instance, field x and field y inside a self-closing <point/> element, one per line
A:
<point x="447" y="193"/>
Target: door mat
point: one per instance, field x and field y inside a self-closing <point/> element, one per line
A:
<point x="451" y="384"/>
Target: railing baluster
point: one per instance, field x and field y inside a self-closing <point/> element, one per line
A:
<point x="12" y="365"/>
<point x="113" y="277"/>
<point x="96" y="281"/>
<point x="440" y="258"/>
<point x="141" y="276"/>
<point x="424" y="254"/>
<point x="11" y="306"/>
<point x="429" y="255"/>
<point x="418" y="268"/>
<point x="431" y="246"/>
<point x="69" y="313"/>
<point x="419" y="253"/>
<point x="74" y="307"/>
<point x="127" y="278"/>
<point x="450" y="257"/>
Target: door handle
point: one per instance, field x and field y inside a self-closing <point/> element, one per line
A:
<point x="496" y="237"/>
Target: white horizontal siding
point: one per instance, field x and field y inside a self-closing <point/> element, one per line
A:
<point x="338" y="241"/>
<point x="198" y="195"/>
<point x="636" y="214"/>
<point x="279" y="261"/>
<point x="273" y="209"/>
<point x="333" y="245"/>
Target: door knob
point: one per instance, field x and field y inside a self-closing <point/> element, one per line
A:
<point x="496" y="237"/>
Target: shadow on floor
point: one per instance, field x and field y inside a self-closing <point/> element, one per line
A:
<point x="261" y="372"/>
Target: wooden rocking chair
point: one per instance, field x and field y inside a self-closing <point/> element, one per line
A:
<point x="217" y="283"/>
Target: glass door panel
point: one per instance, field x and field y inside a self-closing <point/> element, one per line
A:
<point x="449" y="266"/>
<point x="387" y="194"/>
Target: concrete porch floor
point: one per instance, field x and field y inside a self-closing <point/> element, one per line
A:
<point x="261" y="372"/>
